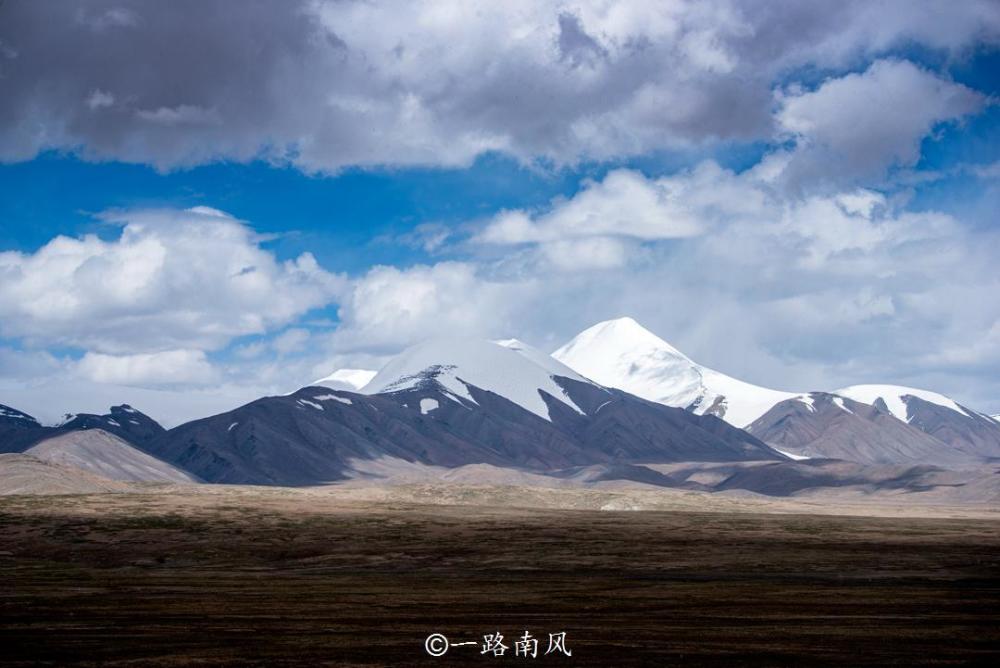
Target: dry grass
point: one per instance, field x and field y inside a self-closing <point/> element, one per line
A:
<point x="291" y="577"/>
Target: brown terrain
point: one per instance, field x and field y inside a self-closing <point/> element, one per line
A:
<point x="198" y="575"/>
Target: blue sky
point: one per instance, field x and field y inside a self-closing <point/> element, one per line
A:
<point x="805" y="203"/>
<point x="332" y="216"/>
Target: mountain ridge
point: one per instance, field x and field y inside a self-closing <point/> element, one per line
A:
<point x="622" y="353"/>
<point x="449" y="403"/>
<point x="456" y="402"/>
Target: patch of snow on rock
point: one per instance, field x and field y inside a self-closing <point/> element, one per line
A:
<point x="790" y="455"/>
<point x="893" y="396"/>
<point x="839" y="403"/>
<point x="333" y="397"/>
<point x="808" y="401"/>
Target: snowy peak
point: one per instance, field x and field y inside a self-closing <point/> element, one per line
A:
<point x="622" y="353"/>
<point x="536" y="356"/>
<point x="512" y="370"/>
<point x="823" y="425"/>
<point x="897" y="399"/>
<point x="619" y="334"/>
<point x="351" y="380"/>
<point x="886" y="424"/>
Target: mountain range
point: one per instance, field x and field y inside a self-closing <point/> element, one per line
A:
<point x="19" y="431"/>
<point x="450" y="403"/>
<point x="615" y="402"/>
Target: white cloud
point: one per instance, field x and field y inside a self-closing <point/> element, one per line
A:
<point x="328" y="84"/>
<point x="390" y="307"/>
<point x="802" y="286"/>
<point x="290" y="341"/>
<point x="171" y="367"/>
<point x="172" y="279"/>
<point x="857" y="126"/>
<point x="796" y="292"/>
<point x="99" y="99"/>
<point x="793" y="290"/>
<point x="586" y="254"/>
<point x="116" y="17"/>
<point x="184" y="114"/>
<point x="624" y="203"/>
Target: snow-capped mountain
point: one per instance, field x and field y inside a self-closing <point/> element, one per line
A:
<point x="615" y="396"/>
<point x="622" y="353"/>
<point x="907" y="425"/>
<point x="897" y="399"/>
<point x="934" y="414"/>
<point x="830" y="426"/>
<point x="346" y="379"/>
<point x="511" y="369"/>
<point x="450" y="403"/>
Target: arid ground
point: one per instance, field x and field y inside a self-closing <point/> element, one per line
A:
<point x="290" y="577"/>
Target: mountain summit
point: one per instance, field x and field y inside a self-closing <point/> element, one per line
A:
<point x="622" y="353"/>
<point x="451" y="402"/>
<point x="863" y="423"/>
<point x="511" y="369"/>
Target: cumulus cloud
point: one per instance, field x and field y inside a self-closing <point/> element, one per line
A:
<point x="390" y="307"/>
<point x="798" y="292"/>
<point x="857" y="126"/>
<point x="170" y="367"/>
<point x="172" y="280"/>
<point x="324" y="85"/>
<point x="760" y="273"/>
<point x="624" y="203"/>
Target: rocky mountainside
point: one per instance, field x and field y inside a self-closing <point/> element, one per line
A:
<point x="824" y="425"/>
<point x="19" y="431"/>
<point x="936" y="415"/>
<point x="617" y="397"/>
<point x="102" y="453"/>
<point x="449" y="403"/>
<point x="123" y="421"/>
<point x="887" y="424"/>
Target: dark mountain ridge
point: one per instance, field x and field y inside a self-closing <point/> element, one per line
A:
<point x="312" y="436"/>
<point x="19" y="431"/>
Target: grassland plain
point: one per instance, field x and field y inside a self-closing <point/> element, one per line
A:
<point x="288" y="578"/>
